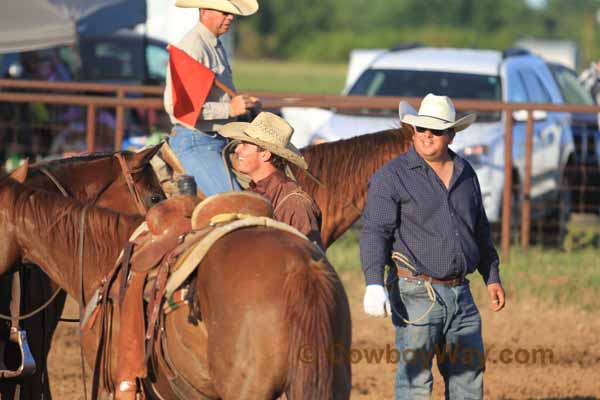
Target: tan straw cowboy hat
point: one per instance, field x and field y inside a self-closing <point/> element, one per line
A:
<point x="237" y="7"/>
<point x="437" y="112"/>
<point x="269" y="132"/>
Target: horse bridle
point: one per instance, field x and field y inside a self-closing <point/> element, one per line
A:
<point x="128" y="175"/>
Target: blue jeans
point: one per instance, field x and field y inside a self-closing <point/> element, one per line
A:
<point x="200" y="156"/>
<point x="451" y="332"/>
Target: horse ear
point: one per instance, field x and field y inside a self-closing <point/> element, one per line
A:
<point x="20" y="174"/>
<point x="143" y="157"/>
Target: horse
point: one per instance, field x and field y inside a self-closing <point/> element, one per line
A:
<point x="101" y="179"/>
<point x="266" y="298"/>
<point x="343" y="167"/>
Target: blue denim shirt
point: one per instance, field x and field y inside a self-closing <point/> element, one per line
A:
<point x="443" y="232"/>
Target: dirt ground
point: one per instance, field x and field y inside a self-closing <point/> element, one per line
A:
<point x="514" y="338"/>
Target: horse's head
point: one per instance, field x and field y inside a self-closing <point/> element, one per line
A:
<point x="146" y="181"/>
<point x="9" y="250"/>
<point x="119" y="195"/>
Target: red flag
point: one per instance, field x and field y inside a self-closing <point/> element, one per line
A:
<point x="191" y="82"/>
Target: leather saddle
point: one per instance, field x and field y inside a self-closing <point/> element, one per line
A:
<point x="169" y="225"/>
<point x="216" y="209"/>
<point x="169" y="221"/>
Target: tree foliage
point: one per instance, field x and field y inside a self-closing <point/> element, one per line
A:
<point x="326" y="30"/>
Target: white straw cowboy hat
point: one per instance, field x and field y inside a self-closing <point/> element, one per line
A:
<point x="437" y="112"/>
<point x="237" y="7"/>
<point x="268" y="131"/>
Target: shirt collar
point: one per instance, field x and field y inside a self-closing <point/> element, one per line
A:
<point x="264" y="184"/>
<point x="206" y="35"/>
<point x="414" y="160"/>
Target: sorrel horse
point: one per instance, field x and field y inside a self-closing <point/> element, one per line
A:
<point x="344" y="168"/>
<point x="98" y="179"/>
<point x="272" y="307"/>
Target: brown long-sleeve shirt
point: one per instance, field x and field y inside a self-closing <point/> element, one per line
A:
<point x="291" y="204"/>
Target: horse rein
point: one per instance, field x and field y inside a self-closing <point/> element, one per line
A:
<point x="16" y="318"/>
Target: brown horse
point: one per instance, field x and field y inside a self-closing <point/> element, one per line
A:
<point x="272" y="307"/>
<point x="344" y="167"/>
<point x="98" y="179"/>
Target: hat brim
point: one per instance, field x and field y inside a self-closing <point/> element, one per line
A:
<point x="439" y="124"/>
<point x="236" y="7"/>
<point x="237" y="131"/>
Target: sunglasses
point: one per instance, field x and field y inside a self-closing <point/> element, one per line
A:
<point x="435" y="132"/>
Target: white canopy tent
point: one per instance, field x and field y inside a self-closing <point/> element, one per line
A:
<point x="36" y="24"/>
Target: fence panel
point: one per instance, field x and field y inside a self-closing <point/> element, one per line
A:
<point x="43" y="119"/>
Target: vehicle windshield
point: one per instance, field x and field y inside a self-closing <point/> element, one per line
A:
<point x="570" y="87"/>
<point x="111" y="59"/>
<point x="407" y="83"/>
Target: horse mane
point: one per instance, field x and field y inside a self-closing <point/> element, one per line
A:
<point x="346" y="164"/>
<point x="59" y="219"/>
<point x="345" y="167"/>
<point x="62" y="162"/>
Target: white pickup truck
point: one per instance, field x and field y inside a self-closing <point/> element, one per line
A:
<point x="514" y="77"/>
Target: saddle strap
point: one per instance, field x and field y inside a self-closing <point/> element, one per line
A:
<point x="15" y="301"/>
<point x="288" y="196"/>
<point x="130" y="357"/>
<point x="154" y="308"/>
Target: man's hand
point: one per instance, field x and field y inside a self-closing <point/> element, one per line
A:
<point x="242" y="104"/>
<point x="376" y="302"/>
<point x="496" y="296"/>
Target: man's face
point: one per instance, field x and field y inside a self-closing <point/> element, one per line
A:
<point x="249" y="158"/>
<point x="216" y="21"/>
<point x="430" y="144"/>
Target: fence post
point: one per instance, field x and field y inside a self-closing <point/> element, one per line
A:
<point x="507" y="195"/>
<point x="526" y="206"/>
<point x="91" y="127"/>
<point x="120" y="123"/>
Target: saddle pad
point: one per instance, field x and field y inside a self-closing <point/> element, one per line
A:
<point x="193" y="256"/>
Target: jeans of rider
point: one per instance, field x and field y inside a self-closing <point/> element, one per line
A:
<point x="200" y="156"/>
<point x="451" y="332"/>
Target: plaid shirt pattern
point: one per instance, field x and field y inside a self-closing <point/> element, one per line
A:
<point x="442" y="232"/>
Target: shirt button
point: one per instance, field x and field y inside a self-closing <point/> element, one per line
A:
<point x="456" y="233"/>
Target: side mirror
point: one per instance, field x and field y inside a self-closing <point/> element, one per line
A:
<point x="521" y="115"/>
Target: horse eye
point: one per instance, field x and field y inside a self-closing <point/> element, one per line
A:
<point x="156" y="199"/>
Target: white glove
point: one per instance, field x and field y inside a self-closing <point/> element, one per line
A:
<point x="376" y="302"/>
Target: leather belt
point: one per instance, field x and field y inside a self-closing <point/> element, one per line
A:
<point x="404" y="273"/>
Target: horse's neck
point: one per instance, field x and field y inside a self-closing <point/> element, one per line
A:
<point x="344" y="195"/>
<point x="76" y="177"/>
<point x="55" y="245"/>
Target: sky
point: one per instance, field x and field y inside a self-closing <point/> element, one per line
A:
<point x="537" y="3"/>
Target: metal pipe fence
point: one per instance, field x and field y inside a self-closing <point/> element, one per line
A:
<point x="33" y="115"/>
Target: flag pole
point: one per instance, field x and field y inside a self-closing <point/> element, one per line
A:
<point x="225" y="88"/>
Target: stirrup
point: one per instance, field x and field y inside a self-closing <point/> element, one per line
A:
<point x="27" y="367"/>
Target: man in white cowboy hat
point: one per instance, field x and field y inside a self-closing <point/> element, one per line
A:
<point x="262" y="154"/>
<point x="425" y="213"/>
<point x="198" y="147"/>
